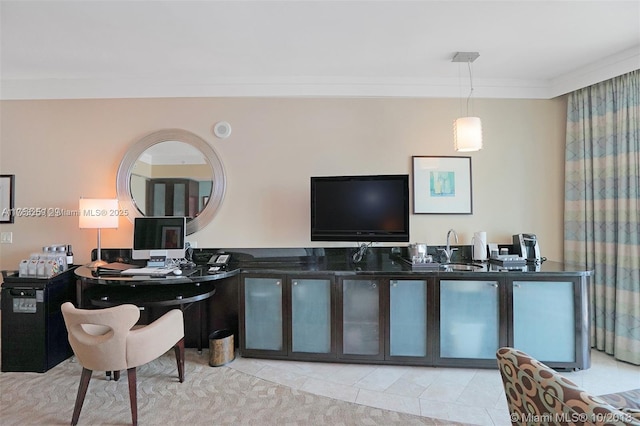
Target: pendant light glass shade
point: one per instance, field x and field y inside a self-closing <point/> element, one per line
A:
<point x="467" y="131"/>
<point x="467" y="134"/>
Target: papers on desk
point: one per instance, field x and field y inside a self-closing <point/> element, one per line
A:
<point x="114" y="268"/>
<point x="126" y="270"/>
<point x="151" y="271"/>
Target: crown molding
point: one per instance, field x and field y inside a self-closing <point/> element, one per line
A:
<point x="32" y="89"/>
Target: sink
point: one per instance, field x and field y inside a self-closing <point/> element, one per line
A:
<point x="462" y="267"/>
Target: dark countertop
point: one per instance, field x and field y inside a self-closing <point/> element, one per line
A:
<point x="188" y="276"/>
<point x="379" y="261"/>
<point x="400" y="267"/>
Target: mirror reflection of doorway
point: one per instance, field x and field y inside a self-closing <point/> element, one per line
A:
<point x="173" y="197"/>
<point x="172" y="154"/>
<point x="171" y="178"/>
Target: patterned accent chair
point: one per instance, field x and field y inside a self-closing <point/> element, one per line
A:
<point x="538" y="395"/>
<point x="106" y="340"/>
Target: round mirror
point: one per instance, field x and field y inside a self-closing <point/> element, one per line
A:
<point x="172" y="172"/>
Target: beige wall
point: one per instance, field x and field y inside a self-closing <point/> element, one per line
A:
<point x="63" y="150"/>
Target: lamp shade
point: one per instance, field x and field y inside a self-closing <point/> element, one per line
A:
<point x="467" y="134"/>
<point x="98" y="213"/>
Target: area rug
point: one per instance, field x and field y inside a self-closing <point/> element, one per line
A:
<point x="209" y="396"/>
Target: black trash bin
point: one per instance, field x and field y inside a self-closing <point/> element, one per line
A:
<point x="221" y="348"/>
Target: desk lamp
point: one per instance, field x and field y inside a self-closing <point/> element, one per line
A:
<point x="96" y="213"/>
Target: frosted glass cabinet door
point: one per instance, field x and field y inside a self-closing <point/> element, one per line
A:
<point x="263" y="313"/>
<point x="311" y="315"/>
<point x="469" y="319"/>
<point x="408" y="318"/>
<point x="544" y="320"/>
<point x="361" y="317"/>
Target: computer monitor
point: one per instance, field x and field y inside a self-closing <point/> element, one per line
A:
<point x="159" y="236"/>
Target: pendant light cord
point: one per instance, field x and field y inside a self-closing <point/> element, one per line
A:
<point x="471" y="85"/>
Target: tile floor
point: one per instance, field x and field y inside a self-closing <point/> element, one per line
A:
<point x="473" y="396"/>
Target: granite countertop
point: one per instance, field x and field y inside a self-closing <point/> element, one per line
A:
<point x="389" y="261"/>
<point x="377" y="262"/>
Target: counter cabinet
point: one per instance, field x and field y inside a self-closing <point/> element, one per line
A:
<point x="457" y="321"/>
<point x="287" y="316"/>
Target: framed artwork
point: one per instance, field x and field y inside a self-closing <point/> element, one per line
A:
<point x="442" y="185"/>
<point x="171" y="237"/>
<point x="7" y="198"/>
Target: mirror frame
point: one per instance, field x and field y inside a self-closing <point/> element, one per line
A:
<point x="218" y="188"/>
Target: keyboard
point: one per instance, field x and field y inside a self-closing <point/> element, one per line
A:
<point x="155" y="271"/>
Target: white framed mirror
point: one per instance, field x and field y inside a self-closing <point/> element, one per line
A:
<point x="172" y="172"/>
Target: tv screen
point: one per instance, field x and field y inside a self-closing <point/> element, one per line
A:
<point x="159" y="236"/>
<point x="360" y="208"/>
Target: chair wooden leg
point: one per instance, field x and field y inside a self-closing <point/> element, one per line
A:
<point x="133" y="395"/>
<point x="82" y="391"/>
<point x="179" y="350"/>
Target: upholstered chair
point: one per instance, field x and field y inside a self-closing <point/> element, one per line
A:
<point x="106" y="340"/>
<point x="538" y="395"/>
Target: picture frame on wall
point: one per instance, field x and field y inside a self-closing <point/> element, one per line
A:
<point x="442" y="185"/>
<point x="7" y="186"/>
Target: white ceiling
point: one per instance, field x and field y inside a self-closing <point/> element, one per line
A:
<point x="120" y="49"/>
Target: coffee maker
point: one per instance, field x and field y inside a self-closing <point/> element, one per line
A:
<point x="526" y="245"/>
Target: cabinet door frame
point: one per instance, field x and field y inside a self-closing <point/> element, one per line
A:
<point x="382" y="309"/>
<point x="581" y="319"/>
<point x="332" y="354"/>
<point x="286" y="320"/>
<point x="503" y="327"/>
<point x="430" y="318"/>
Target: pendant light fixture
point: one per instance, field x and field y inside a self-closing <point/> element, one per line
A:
<point x="467" y="131"/>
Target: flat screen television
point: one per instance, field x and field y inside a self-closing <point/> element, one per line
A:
<point x="159" y="236"/>
<point x="360" y="208"/>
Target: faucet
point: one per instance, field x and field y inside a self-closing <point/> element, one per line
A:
<point x="448" y="252"/>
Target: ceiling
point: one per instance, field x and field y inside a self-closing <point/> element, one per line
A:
<point x="120" y="49"/>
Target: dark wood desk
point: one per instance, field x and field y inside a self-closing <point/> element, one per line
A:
<point x="182" y="291"/>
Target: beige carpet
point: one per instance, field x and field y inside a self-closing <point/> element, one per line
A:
<point x="209" y="396"/>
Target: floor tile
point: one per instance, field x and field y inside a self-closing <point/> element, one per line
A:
<point x="443" y="392"/>
<point x="385" y="401"/>
<point x="472" y="415"/>
<point x="479" y="396"/>
<point x="380" y="379"/>
<point x="405" y="387"/>
<point x="331" y="390"/>
<point x="282" y="376"/>
<point x="468" y="395"/>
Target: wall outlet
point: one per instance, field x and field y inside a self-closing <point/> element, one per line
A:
<point x="6" y="237"/>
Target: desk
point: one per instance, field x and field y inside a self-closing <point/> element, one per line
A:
<point x="182" y="291"/>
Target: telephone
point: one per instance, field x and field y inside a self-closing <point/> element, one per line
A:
<point x="218" y="263"/>
<point x="219" y="259"/>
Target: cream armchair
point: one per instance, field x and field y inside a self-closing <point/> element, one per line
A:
<point x="105" y="340"/>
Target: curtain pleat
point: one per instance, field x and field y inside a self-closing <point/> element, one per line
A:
<point x="602" y="207"/>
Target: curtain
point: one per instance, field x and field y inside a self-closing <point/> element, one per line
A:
<point x="602" y="208"/>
